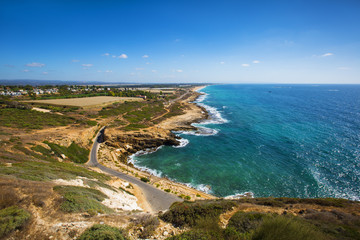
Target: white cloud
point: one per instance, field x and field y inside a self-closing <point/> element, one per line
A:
<point x="113" y="56"/>
<point x="45" y="73"/>
<point x="124" y="56"/>
<point x="222" y="62"/>
<point x="99" y="71"/>
<point x="327" y="55"/>
<point x="154" y="71"/>
<point x="145" y="56"/>
<point x="35" y="64"/>
<point x="106" y="54"/>
<point x="256" y="61"/>
<point x="179" y="70"/>
<point x="139" y="69"/>
<point x="87" y="65"/>
<point x="344" y="68"/>
<point x="26" y="70"/>
<point x="75" y="60"/>
<point x="108" y="71"/>
<point x="147" y="63"/>
<point x="245" y="65"/>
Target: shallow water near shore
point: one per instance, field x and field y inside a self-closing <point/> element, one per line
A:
<point x="270" y="140"/>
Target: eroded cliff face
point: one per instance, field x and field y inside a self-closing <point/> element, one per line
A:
<point x="128" y="143"/>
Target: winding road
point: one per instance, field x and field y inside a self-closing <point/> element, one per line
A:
<point x="157" y="199"/>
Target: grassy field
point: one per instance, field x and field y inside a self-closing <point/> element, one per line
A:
<point x="29" y="119"/>
<point x="81" y="199"/>
<point x="86" y="101"/>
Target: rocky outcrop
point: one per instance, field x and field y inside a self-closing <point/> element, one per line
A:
<point x="130" y="143"/>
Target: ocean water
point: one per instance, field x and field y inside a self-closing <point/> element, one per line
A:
<point x="269" y="140"/>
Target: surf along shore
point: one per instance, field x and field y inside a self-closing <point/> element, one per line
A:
<point x="119" y="146"/>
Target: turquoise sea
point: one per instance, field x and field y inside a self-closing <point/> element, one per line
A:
<point x="269" y="140"/>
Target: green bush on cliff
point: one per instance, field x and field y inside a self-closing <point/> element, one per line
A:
<point x="282" y="227"/>
<point x="191" y="213"/>
<point x="244" y="222"/>
<point x="12" y="218"/>
<point x="103" y="232"/>
<point x="74" y="152"/>
<point x="80" y="199"/>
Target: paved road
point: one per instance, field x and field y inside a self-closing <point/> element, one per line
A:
<point x="157" y="199"/>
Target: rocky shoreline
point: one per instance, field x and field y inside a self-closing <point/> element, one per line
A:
<point x="129" y="143"/>
<point x="122" y="145"/>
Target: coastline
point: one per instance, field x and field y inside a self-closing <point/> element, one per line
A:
<point x="120" y="147"/>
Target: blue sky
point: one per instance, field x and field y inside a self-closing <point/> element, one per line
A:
<point x="181" y="41"/>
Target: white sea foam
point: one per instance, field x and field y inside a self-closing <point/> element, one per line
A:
<point x="201" y="131"/>
<point x="240" y="195"/>
<point x="328" y="188"/>
<point x="201" y="97"/>
<point x="153" y="172"/>
<point x="132" y="159"/>
<point x="201" y="187"/>
<point x="183" y="143"/>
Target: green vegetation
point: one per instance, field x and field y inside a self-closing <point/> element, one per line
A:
<point x="175" y="110"/>
<point x="76" y="95"/>
<point x="12" y="218"/>
<point x="62" y="109"/>
<point x="145" y="113"/>
<point x="203" y="218"/>
<point x="74" y="152"/>
<point x="281" y="227"/>
<point x="144" y="179"/>
<point x="30" y="119"/>
<point x="147" y="223"/>
<point x="281" y="202"/>
<point x="134" y="127"/>
<point x="91" y="123"/>
<point x="103" y="232"/>
<point x="191" y="213"/>
<point x="80" y="199"/>
<point x="28" y="152"/>
<point x="46" y="171"/>
<point x="120" y="108"/>
<point x="245" y="222"/>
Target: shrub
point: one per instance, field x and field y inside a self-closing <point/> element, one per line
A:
<point x="12" y="218"/>
<point x="25" y="118"/>
<point x="45" y="171"/>
<point x="8" y="197"/>
<point x="190" y="213"/>
<point x="244" y="222"/>
<point x="149" y="224"/>
<point x="282" y="227"/>
<point x="103" y="232"/>
<point x="91" y="123"/>
<point x="74" y="152"/>
<point x="79" y="199"/>
<point x="144" y="179"/>
<point x="198" y="234"/>
<point x="167" y="190"/>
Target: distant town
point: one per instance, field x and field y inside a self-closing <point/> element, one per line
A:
<point x="50" y="91"/>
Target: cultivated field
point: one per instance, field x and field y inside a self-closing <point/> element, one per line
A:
<point x="85" y="102"/>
